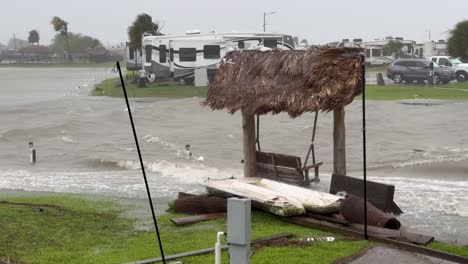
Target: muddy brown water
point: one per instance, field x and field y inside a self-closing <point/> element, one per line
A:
<point x="84" y="145"/>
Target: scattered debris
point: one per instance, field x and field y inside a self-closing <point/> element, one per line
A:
<point x="196" y="218"/>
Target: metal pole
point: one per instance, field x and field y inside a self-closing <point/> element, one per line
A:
<point x="141" y="163"/>
<point x="264" y="21"/>
<point x="363" y="79"/>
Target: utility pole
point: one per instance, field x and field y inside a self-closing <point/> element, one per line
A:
<point x="265" y="14"/>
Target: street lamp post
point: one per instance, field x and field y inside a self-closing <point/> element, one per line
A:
<point x="264" y="19"/>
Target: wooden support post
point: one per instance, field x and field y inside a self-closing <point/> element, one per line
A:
<point x="248" y="128"/>
<point x="339" y="143"/>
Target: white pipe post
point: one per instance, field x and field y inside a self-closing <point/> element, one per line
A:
<point x="218" y="248"/>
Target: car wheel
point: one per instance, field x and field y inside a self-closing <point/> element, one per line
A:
<point x="461" y="76"/>
<point x="398" y="78"/>
<point x="436" y="79"/>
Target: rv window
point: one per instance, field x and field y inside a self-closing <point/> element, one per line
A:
<point x="132" y="53"/>
<point x="187" y="54"/>
<point x="368" y="53"/>
<point x="434" y="60"/>
<point x="270" y="43"/>
<point x="241" y="45"/>
<point x="148" y="52"/>
<point x="211" y="52"/>
<point x="162" y="53"/>
<point x="376" y="52"/>
<point x="171" y="54"/>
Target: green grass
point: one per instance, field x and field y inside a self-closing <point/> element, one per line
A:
<point x="61" y="65"/>
<point x="399" y="92"/>
<point x="164" y="90"/>
<point x="457" y="250"/>
<point x="86" y="231"/>
<point x="373" y="92"/>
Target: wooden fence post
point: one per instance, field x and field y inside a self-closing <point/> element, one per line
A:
<point x="248" y="129"/>
<point x="339" y="142"/>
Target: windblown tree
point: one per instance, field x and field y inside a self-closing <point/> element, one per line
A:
<point x="78" y="43"/>
<point x="61" y="26"/>
<point x="458" y="40"/>
<point x="394" y="48"/>
<point x="33" y="37"/>
<point x="142" y="24"/>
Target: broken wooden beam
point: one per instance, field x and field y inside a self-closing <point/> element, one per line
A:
<point x="196" y="218"/>
<point x="200" y="204"/>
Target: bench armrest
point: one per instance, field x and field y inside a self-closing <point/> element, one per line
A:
<point x="312" y="166"/>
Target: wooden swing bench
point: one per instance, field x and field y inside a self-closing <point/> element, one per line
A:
<point x="285" y="168"/>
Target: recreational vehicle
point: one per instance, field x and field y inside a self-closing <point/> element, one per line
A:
<point x="178" y="56"/>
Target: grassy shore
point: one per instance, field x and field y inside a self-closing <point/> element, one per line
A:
<point x="165" y="90"/>
<point x="72" y="229"/>
<point x="76" y="230"/>
<point x="60" y="65"/>
<point x="452" y="91"/>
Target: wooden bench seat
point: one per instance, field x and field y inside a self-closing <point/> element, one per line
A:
<point x="284" y="168"/>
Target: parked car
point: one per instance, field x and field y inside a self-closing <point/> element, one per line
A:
<point x="410" y="70"/>
<point x="460" y="68"/>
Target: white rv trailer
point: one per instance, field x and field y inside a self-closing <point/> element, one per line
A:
<point x="133" y="58"/>
<point x="376" y="54"/>
<point x="177" y="56"/>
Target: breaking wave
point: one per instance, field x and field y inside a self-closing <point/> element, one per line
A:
<point x="188" y="172"/>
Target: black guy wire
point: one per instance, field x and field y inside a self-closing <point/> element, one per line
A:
<point x="363" y="80"/>
<point x="141" y="162"/>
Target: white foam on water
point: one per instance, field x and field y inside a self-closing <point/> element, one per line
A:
<point x="123" y="184"/>
<point x="68" y="139"/>
<point x="187" y="172"/>
<point x="429" y="196"/>
<point x="445" y="154"/>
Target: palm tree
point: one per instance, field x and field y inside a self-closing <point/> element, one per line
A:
<point x="393" y="47"/>
<point x="458" y="40"/>
<point x="61" y="26"/>
<point x="142" y="24"/>
<point x="33" y="37"/>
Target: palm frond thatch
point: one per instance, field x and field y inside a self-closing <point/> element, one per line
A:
<point x="295" y="82"/>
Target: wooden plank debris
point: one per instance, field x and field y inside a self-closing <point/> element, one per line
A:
<point x="196" y="218"/>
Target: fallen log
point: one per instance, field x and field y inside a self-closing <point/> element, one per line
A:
<point x="200" y="204"/>
<point x="196" y="218"/>
<point x="352" y="209"/>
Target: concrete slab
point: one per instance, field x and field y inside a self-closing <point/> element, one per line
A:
<point x="385" y="255"/>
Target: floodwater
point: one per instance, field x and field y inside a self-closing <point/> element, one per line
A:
<point x="84" y="145"/>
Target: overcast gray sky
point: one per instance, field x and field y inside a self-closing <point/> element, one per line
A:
<point x="317" y="21"/>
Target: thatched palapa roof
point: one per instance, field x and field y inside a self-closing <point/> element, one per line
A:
<point x="298" y="81"/>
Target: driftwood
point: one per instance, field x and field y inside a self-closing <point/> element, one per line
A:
<point x="352" y="208"/>
<point x="200" y="204"/>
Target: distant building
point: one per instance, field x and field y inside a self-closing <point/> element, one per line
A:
<point x="34" y="53"/>
<point x="99" y="54"/>
<point x="16" y="44"/>
<point x="429" y="49"/>
<point x="376" y="53"/>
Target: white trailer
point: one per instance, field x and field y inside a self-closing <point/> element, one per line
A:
<point x="177" y="56"/>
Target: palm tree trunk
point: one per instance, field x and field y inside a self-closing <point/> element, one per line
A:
<point x="67" y="48"/>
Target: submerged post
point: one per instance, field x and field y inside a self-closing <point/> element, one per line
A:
<point x="248" y="129"/>
<point x="339" y="146"/>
